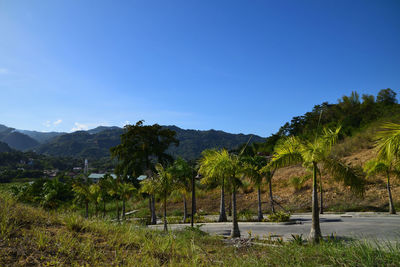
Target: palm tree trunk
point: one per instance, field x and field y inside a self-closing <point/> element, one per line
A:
<point x="235" y="226"/>
<point x="165" y="215"/>
<point x="96" y="208"/>
<point x="153" y="210"/>
<point x="222" y="214"/>
<point x="86" y="208"/>
<point x="104" y="209"/>
<point x="321" y="208"/>
<point x="184" y="209"/>
<point x="194" y="205"/>
<point x="230" y="207"/>
<point x="391" y="206"/>
<point x="123" y="209"/>
<point x="260" y="215"/>
<point x="117" y="210"/>
<point x="271" y="199"/>
<point x="315" y="233"/>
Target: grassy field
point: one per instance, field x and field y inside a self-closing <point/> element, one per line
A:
<point x="31" y="236"/>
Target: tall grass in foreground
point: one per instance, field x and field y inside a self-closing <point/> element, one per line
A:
<point x="32" y="236"/>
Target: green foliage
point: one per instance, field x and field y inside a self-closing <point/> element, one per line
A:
<point x="51" y="240"/>
<point x="297" y="182"/>
<point x="279" y="216"/>
<point x="350" y="112"/>
<point x="141" y="148"/>
<point x="245" y="215"/>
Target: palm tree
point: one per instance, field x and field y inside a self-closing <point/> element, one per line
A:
<point x="183" y="173"/>
<point x="386" y="168"/>
<point x="387" y="161"/>
<point x="104" y="194"/>
<point x="163" y="185"/>
<point x="389" y="142"/>
<point x="126" y="191"/>
<point x="293" y="150"/>
<point x="226" y="166"/>
<point x="252" y="166"/>
<point x="113" y="190"/>
<point x="82" y="192"/>
<point x="95" y="196"/>
<point x="208" y="168"/>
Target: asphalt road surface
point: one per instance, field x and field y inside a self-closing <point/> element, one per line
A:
<point x="358" y="226"/>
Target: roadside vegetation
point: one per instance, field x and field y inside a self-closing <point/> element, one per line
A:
<point x="32" y="236"/>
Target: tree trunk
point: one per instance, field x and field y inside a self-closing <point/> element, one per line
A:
<point x="96" y="209"/>
<point x="194" y="205"/>
<point x="230" y="207"/>
<point x="391" y="206"/>
<point x="193" y="202"/>
<point x="104" y="209"/>
<point x="165" y="215"/>
<point x="271" y="199"/>
<point x="184" y="209"/>
<point x="123" y="209"/>
<point x="86" y="209"/>
<point x="117" y="210"/>
<point x="260" y="214"/>
<point x="315" y="233"/>
<point x="235" y="226"/>
<point x="321" y="208"/>
<point x="153" y="210"/>
<point x="222" y="214"/>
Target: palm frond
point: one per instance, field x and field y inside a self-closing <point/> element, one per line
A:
<point x="376" y="166"/>
<point x="349" y="176"/>
<point x="389" y="141"/>
<point x="287" y="152"/>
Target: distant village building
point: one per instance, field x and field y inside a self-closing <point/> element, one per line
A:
<point x="95" y="177"/>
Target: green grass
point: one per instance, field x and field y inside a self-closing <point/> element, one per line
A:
<point x="33" y="236"/>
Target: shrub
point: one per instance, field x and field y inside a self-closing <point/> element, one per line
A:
<point x="75" y="223"/>
<point x="279" y="216"/>
<point x="245" y="215"/>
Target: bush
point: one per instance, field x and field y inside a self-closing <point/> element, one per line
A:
<point x="245" y="215"/>
<point x="279" y="216"/>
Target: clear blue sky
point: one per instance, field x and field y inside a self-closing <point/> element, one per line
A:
<point x="238" y="66"/>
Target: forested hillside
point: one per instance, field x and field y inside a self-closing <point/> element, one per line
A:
<point x="96" y="143"/>
<point x="353" y="113"/>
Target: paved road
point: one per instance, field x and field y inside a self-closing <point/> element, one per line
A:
<point x="372" y="227"/>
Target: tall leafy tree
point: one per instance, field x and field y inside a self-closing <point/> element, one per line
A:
<point x="314" y="155"/>
<point x="142" y="146"/>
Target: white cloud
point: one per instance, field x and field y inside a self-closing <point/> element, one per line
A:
<point x="4" y="71"/>
<point x="47" y="123"/>
<point x="57" y="122"/>
<point x="80" y="127"/>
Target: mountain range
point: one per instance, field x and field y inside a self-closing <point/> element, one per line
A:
<point x="96" y="143"/>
